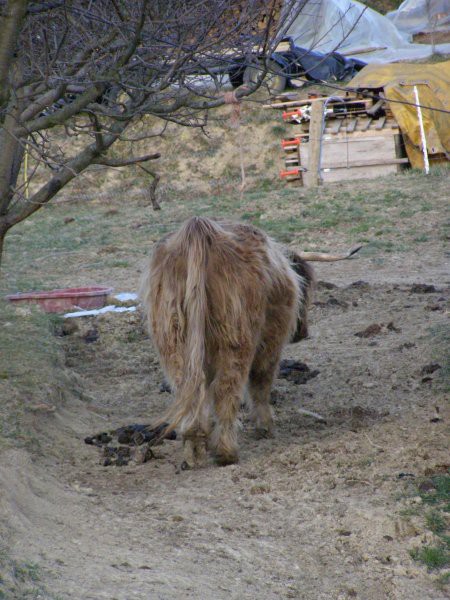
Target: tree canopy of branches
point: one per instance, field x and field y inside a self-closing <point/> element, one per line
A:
<point x="89" y="68"/>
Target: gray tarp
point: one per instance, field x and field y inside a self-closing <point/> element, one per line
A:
<point x="356" y="31"/>
<point x="415" y="16"/>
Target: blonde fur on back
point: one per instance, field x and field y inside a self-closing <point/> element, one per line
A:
<point x="221" y="300"/>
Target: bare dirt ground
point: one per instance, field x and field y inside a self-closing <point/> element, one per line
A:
<point x="323" y="511"/>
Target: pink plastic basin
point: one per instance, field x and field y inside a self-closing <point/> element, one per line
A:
<point x="58" y="301"/>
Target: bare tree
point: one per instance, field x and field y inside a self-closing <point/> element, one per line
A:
<point x="87" y="69"/>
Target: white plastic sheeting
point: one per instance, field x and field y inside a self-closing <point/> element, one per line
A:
<point x="355" y="30"/>
<point x="415" y="16"/>
<point x="125" y="296"/>
<point x="99" y="311"/>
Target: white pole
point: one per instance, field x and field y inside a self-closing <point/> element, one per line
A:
<point x="422" y="132"/>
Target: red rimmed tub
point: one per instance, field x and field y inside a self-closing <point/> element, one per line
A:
<point x="59" y="301"/>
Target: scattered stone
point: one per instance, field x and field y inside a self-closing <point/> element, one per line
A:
<point x="371" y="330"/>
<point x="406" y="346"/>
<point x="429" y="369"/>
<point x="332" y="301"/>
<point x="165" y="387"/>
<point x="434" y="307"/>
<point x="369" y="384"/>
<point x="360" y="284"/>
<point x="326" y="285"/>
<point x="91" y="335"/>
<point x="392" y="327"/>
<point x="422" y="288"/>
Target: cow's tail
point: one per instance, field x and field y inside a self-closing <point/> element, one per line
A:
<point x="307" y="283"/>
<point x="190" y="409"/>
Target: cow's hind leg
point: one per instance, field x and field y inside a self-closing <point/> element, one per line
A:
<point x="195" y="439"/>
<point x="262" y="374"/>
<point x="194" y="450"/>
<point x="228" y="388"/>
<point x="194" y="428"/>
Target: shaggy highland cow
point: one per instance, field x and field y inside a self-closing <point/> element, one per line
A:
<point x="222" y="299"/>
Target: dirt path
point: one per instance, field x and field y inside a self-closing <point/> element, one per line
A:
<point x="320" y="512"/>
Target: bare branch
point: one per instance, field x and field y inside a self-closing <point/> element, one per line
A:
<point x="88" y="69"/>
<point x="123" y="162"/>
<point x="44" y="7"/>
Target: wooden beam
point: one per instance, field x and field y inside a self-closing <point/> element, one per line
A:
<point x="335" y="129"/>
<point x="351" y="126"/>
<point x="380" y="123"/>
<point x="312" y="176"/>
<point x="366" y="163"/>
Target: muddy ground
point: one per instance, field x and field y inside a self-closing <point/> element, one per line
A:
<point x="320" y="512"/>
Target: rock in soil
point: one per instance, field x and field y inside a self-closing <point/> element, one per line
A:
<point x="371" y="330"/>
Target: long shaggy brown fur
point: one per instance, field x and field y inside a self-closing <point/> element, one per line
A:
<point x="222" y="299"/>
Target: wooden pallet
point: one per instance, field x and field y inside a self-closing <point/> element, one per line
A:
<point x="343" y="137"/>
<point x="360" y="155"/>
<point x="349" y="124"/>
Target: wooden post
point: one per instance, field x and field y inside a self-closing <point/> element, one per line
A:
<point x="312" y="177"/>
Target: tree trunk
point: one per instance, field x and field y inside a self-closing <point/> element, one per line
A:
<point x="3" y="231"/>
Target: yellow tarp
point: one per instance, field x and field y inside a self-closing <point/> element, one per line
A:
<point x="433" y="85"/>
